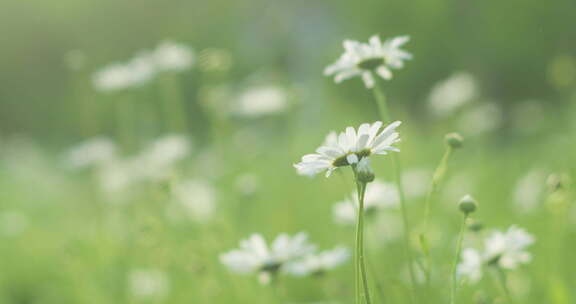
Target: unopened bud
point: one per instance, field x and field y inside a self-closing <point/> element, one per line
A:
<point x="474" y="225"/>
<point x="364" y="172"/>
<point x="454" y="140"/>
<point x="467" y="204"/>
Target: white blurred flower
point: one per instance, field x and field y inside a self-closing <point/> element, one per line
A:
<point x="508" y="249"/>
<point x="198" y="199"/>
<point x="367" y="59"/>
<point x="349" y="147"/>
<point x="261" y="100"/>
<point x="13" y="223"/>
<point x="470" y="268"/>
<point x="157" y="161"/>
<point x="416" y="181"/>
<point x="148" y="283"/>
<point x="319" y="263"/>
<point x="115" y="177"/>
<point x="93" y="152"/>
<point x="529" y="190"/>
<point x="247" y="183"/>
<point x="379" y="195"/>
<point x="449" y="95"/>
<point x="121" y="76"/>
<point x="172" y="56"/>
<point x="255" y="257"/>
<point x="480" y="119"/>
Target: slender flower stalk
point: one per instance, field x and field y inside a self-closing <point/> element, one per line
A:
<point x="384" y="115"/>
<point x="174" y="106"/>
<point x="467" y="205"/>
<point x="503" y="282"/>
<point x="453" y="273"/>
<point x="453" y="141"/>
<point x="363" y="176"/>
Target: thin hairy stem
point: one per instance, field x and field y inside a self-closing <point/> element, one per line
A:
<point x="383" y="110"/>
<point x="453" y="274"/>
<point x="437" y="179"/>
<point x="365" y="293"/>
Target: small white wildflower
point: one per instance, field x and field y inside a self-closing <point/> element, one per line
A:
<point x="148" y="283"/>
<point x="197" y="198"/>
<point x="451" y="94"/>
<point x="508" y="249"/>
<point x="255" y="257"/>
<point x="349" y="147"/>
<point x="529" y="190"/>
<point x="172" y="56"/>
<point x="261" y="100"/>
<point x="158" y="159"/>
<point x="121" y="76"/>
<point x="247" y="183"/>
<point x="367" y="59"/>
<point x="379" y="195"/>
<point x="481" y="119"/>
<point x="470" y="268"/>
<point x="317" y="264"/>
<point x="92" y="152"/>
<point x="416" y="181"/>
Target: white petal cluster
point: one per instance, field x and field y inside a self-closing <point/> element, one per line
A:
<point x="92" y="152"/>
<point x="319" y="263"/>
<point x="260" y="101"/>
<point x="379" y="195"/>
<point x="148" y="283"/>
<point x="451" y="94"/>
<point x="470" y="268"/>
<point x="288" y="254"/>
<point x="367" y="59"/>
<point x="143" y="67"/>
<point x="196" y="200"/>
<point x="255" y="256"/>
<point x="349" y="147"/>
<point x="506" y="250"/>
<point x="173" y="56"/>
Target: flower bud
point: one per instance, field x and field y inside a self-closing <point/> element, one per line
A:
<point x="454" y="140"/>
<point x="467" y="204"/>
<point x="473" y="225"/>
<point x="364" y="172"/>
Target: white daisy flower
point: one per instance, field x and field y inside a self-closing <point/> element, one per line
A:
<point x="157" y="161"/>
<point x="470" y="268"/>
<point x="317" y="264"/>
<point x="255" y="257"/>
<point x="367" y="59"/>
<point x="508" y="249"/>
<point x="452" y="93"/>
<point x="379" y="195"/>
<point x="120" y="76"/>
<point x="197" y="199"/>
<point x="261" y="101"/>
<point x="172" y="56"/>
<point x="349" y="147"/>
<point x="148" y="283"/>
<point x="92" y="152"/>
<point x="529" y="190"/>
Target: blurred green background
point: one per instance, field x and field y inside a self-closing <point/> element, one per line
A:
<point x="66" y="240"/>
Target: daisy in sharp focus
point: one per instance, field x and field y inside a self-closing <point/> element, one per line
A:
<point x="255" y="256"/>
<point x="369" y="59"/>
<point x="349" y="147"/>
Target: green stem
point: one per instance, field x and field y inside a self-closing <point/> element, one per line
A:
<point x="124" y="112"/>
<point x="437" y="179"/>
<point x="175" y="112"/>
<point x="454" y="282"/>
<point x="503" y="283"/>
<point x="383" y="110"/>
<point x="361" y="265"/>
